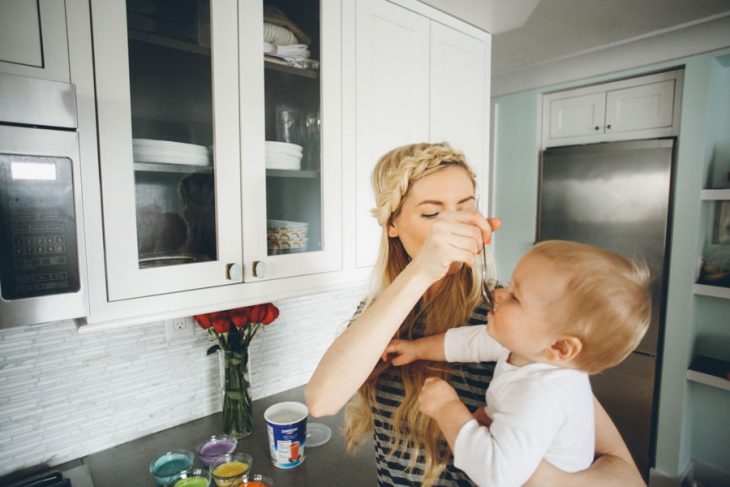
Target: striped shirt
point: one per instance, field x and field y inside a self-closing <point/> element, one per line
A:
<point x="470" y="381"/>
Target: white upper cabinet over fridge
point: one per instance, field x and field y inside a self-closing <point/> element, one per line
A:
<point x="634" y="108"/>
<point x="421" y="76"/>
<point x="167" y="97"/>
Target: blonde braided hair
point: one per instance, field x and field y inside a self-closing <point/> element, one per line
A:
<point x="392" y="178"/>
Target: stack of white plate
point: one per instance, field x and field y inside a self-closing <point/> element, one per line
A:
<point x="168" y="152"/>
<point x="282" y="155"/>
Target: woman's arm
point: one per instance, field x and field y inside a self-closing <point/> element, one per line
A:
<point x="455" y="236"/>
<point x="612" y="467"/>
<point x="354" y="354"/>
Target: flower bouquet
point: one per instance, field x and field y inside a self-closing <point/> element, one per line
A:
<point x="233" y="330"/>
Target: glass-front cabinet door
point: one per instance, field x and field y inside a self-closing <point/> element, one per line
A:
<point x="290" y="133"/>
<point x="167" y="96"/>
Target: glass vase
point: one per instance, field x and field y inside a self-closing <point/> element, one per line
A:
<point x="237" y="412"/>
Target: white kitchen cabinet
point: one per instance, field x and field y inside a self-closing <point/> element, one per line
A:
<point x="187" y="201"/>
<point x="33" y="39"/>
<point x="168" y="226"/>
<point x="421" y="76"/>
<point x="309" y="197"/>
<point x="576" y="116"/>
<point x="636" y="108"/>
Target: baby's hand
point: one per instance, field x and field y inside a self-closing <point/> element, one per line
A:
<point x="436" y="394"/>
<point x="401" y="352"/>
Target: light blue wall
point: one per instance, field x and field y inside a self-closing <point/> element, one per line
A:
<point x="516" y="151"/>
<point x="516" y="156"/>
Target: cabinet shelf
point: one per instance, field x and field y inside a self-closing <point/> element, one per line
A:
<point x="288" y="173"/>
<point x="710" y="371"/>
<point x="305" y="72"/>
<point x="715" y="194"/>
<point x="709" y="380"/>
<point x="168" y="42"/>
<point x="171" y="168"/>
<point x="714" y="291"/>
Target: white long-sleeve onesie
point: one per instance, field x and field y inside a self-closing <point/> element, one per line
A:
<point x="537" y="410"/>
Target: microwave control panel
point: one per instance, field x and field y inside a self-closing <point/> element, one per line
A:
<point x="38" y="247"/>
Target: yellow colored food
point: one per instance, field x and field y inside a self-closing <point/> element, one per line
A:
<point x="230" y="469"/>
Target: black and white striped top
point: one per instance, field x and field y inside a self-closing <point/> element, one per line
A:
<point x="469" y="380"/>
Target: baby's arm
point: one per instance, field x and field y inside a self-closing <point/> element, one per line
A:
<point x="402" y="352"/>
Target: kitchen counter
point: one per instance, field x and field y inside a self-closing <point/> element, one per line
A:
<point x="326" y="465"/>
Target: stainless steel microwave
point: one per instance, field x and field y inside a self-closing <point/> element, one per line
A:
<point x="42" y="253"/>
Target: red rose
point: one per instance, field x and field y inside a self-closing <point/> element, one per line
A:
<point x="203" y="321"/>
<point x="272" y="312"/>
<point x="257" y="313"/>
<point x="240" y="317"/>
<point x="221" y="321"/>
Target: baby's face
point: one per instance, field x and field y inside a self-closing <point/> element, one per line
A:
<point x="521" y="320"/>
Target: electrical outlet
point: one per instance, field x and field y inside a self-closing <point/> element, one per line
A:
<point x="178" y="328"/>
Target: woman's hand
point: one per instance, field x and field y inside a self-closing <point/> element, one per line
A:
<point x="455" y="237"/>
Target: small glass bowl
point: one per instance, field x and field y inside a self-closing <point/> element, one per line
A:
<point x="196" y="477"/>
<point x="214" y="447"/>
<point x="257" y="480"/>
<point x="231" y="476"/>
<point x="169" y="464"/>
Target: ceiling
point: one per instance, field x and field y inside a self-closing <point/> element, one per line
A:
<point x="528" y="33"/>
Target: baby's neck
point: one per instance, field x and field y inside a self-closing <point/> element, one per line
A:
<point x="518" y="360"/>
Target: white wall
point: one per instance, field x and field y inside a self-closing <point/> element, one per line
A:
<point x="64" y="395"/>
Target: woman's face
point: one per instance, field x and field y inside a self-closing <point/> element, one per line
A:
<point x="449" y="189"/>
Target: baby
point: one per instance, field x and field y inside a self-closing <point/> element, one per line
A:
<point x="571" y="310"/>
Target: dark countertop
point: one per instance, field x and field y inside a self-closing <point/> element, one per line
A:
<point x="327" y="465"/>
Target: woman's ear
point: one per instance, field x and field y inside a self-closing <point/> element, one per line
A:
<point x="564" y="349"/>
<point x="392" y="230"/>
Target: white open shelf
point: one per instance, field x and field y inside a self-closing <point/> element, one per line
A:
<point x="716" y="194"/>
<point x="709" y="380"/>
<point x="714" y="291"/>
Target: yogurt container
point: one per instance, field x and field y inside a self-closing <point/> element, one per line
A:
<point x="286" y="423"/>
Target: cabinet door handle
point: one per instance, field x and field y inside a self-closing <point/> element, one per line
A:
<point x="233" y="272"/>
<point x="259" y="268"/>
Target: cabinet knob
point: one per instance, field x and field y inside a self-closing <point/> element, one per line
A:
<point x="608" y="126"/>
<point x="233" y="272"/>
<point x="597" y="127"/>
<point x="259" y="268"/>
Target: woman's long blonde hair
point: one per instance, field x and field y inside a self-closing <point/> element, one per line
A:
<point x="450" y="306"/>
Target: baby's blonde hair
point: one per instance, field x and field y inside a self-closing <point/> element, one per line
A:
<point x="607" y="301"/>
<point x="392" y="178"/>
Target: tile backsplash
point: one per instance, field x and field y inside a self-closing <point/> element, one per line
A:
<point x="64" y="395"/>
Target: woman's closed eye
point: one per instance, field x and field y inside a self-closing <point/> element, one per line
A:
<point x="430" y="215"/>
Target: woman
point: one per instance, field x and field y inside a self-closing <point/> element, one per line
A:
<point x="424" y="283"/>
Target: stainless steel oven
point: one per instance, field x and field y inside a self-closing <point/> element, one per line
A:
<point x="42" y="255"/>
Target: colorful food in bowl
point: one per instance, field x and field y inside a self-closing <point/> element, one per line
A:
<point x="231" y="470"/>
<point x="214" y="447"/>
<point x="169" y="464"/>
<point x="196" y="477"/>
<point x="257" y="480"/>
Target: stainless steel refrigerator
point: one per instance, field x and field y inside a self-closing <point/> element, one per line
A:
<point x="618" y="195"/>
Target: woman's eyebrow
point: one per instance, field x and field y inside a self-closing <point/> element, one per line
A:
<point x="441" y="203"/>
<point x="430" y="202"/>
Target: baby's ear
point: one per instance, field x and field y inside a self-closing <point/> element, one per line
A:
<point x="564" y="348"/>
